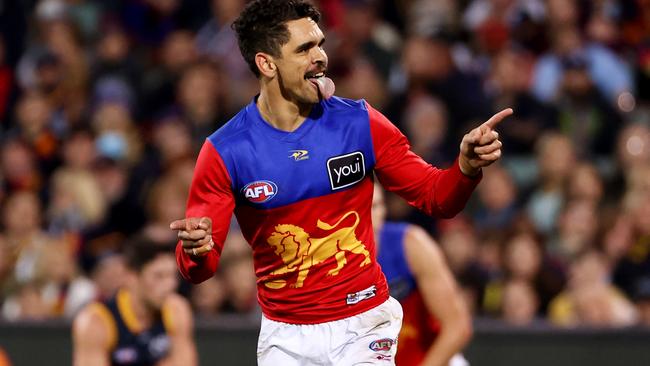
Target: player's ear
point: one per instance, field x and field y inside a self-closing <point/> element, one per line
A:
<point x="266" y="64"/>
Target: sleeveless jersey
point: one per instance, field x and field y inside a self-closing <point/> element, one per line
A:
<point x="132" y="346"/>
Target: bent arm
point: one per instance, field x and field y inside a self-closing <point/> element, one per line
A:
<point x="441" y="296"/>
<point x="437" y="192"/>
<point x="210" y="196"/>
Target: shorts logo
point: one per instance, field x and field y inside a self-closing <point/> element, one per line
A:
<point x="260" y="191"/>
<point x="346" y="170"/>
<point x="384" y="344"/>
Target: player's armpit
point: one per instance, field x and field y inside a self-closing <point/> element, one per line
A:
<point x="437" y="192"/>
<point x="440" y="294"/>
<point x="93" y="336"/>
<point x="178" y="321"/>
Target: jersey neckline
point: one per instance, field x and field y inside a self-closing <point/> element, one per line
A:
<point x="315" y="115"/>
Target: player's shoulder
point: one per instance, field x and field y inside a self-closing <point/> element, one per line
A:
<point x="232" y="130"/>
<point x="176" y="313"/>
<point x="344" y="104"/>
<point x="95" y="322"/>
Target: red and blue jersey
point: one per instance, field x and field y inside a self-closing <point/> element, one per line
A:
<point x="419" y="327"/>
<point x="303" y="199"/>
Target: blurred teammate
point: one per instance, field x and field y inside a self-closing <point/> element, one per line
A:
<point x="146" y="323"/>
<point x="436" y="324"/>
<point x="296" y="167"/>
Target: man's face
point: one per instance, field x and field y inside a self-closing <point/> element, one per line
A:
<point x="157" y="280"/>
<point x="301" y="58"/>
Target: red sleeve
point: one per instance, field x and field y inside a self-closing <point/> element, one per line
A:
<point x="210" y="195"/>
<point x="437" y="192"/>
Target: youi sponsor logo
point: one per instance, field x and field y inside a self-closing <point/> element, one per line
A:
<point x="346" y="170"/>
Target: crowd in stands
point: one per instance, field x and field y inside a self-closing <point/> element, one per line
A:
<point x="104" y="105"/>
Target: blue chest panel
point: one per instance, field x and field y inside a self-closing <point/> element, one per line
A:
<point x="143" y="349"/>
<point x="392" y="259"/>
<point x="331" y="151"/>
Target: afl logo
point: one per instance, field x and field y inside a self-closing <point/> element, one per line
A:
<point x="384" y="344"/>
<point x="260" y="191"/>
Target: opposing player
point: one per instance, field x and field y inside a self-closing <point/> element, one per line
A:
<point x="436" y="324"/>
<point x="296" y="168"/>
<point x="146" y="323"/>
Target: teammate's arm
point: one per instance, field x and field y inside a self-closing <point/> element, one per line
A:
<point x="92" y="338"/>
<point x="441" y="296"/>
<point x="437" y="192"/>
<point x="183" y="349"/>
<point x="209" y="209"/>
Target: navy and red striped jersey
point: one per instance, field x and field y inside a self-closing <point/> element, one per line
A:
<point x="303" y="199"/>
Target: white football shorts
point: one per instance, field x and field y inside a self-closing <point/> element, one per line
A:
<point x="369" y="338"/>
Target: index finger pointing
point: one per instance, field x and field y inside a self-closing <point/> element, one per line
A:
<point x="177" y="225"/>
<point x="497" y="118"/>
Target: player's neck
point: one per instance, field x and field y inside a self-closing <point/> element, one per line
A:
<point x="281" y="113"/>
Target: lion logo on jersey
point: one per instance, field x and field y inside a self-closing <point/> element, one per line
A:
<point x="300" y="252"/>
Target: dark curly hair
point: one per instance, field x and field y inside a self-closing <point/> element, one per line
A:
<point x="262" y="26"/>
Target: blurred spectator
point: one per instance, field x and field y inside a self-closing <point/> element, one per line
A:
<point x="159" y="82"/>
<point x="520" y="303"/>
<point x="585" y="183"/>
<point x="21" y="216"/>
<point x="508" y="86"/>
<point x="239" y="275"/>
<point x="108" y="275"/>
<point x="218" y="41"/>
<point x="427" y="67"/>
<point x="117" y="137"/>
<point x="200" y="95"/>
<point x="610" y="75"/>
<point x="589" y="299"/>
<point x="584" y="115"/>
<point x="34" y="126"/>
<point x="166" y="201"/>
<point x="555" y="158"/>
<point x="208" y="297"/>
<point x="576" y="230"/>
<point x="19" y="167"/>
<point x="459" y="244"/>
<point x="364" y="35"/>
<point x="76" y="201"/>
<point x="525" y="261"/>
<point x="498" y="204"/>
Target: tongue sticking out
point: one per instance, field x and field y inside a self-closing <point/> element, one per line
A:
<point x="325" y="86"/>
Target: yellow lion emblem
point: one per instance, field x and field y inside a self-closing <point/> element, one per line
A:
<point x="299" y="252"/>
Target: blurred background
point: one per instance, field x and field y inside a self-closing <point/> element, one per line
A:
<point x="104" y="105"/>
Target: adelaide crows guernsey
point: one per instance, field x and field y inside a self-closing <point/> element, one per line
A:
<point x="303" y="199"/>
<point x="419" y="328"/>
<point x="131" y="345"/>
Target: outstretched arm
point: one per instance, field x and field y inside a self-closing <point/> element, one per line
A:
<point x="441" y="296"/>
<point x="437" y="192"/>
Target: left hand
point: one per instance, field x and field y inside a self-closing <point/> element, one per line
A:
<point x="481" y="146"/>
